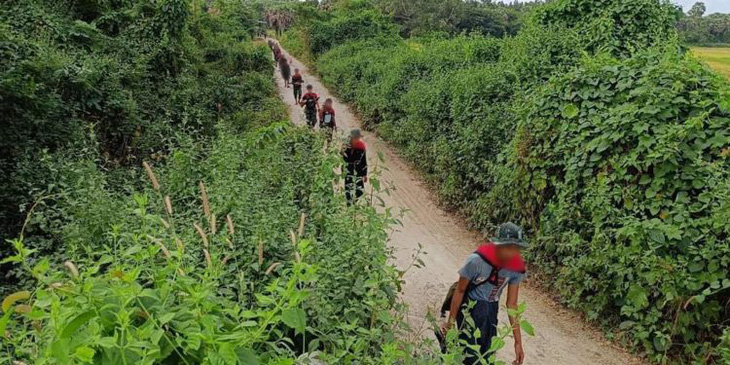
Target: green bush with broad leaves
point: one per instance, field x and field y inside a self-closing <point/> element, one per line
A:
<point x="618" y="27"/>
<point x="621" y="167"/>
<point x="104" y="85"/>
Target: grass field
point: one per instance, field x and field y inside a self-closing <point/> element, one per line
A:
<point x="716" y="57"/>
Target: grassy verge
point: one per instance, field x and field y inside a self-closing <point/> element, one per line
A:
<point x="716" y="57"/>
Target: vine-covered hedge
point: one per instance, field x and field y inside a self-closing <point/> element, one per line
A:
<point x="623" y="167"/>
<point x="592" y="128"/>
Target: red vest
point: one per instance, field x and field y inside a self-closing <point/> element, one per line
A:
<point x="488" y="253"/>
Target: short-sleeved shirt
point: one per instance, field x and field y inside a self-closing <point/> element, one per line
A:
<point x="477" y="270"/>
<point x="310" y="102"/>
<point x="297" y="81"/>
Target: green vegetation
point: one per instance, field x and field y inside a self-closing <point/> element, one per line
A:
<point x="700" y="29"/>
<point x="718" y="58"/>
<point x="602" y="136"/>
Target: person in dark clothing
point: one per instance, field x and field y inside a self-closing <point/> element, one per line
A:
<point x="310" y="102"/>
<point x="482" y="280"/>
<point x="277" y="53"/>
<point x="285" y="70"/>
<point x="297" y="81"/>
<point x="327" y="117"/>
<point x="356" y="167"/>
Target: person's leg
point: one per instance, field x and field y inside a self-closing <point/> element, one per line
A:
<point x="360" y="188"/>
<point x="486" y="316"/>
<point x="348" y="188"/>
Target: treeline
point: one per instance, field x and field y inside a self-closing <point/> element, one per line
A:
<point x="602" y="136"/>
<point x="698" y="28"/>
<point x="171" y="216"/>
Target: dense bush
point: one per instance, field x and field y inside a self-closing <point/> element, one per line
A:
<point x="613" y="26"/>
<point x="112" y="83"/>
<point x="153" y="288"/>
<point x="619" y="168"/>
<point x="593" y="129"/>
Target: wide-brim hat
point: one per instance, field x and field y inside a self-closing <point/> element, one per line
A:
<point x="510" y="234"/>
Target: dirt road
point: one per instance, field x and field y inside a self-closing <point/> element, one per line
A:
<point x="561" y="338"/>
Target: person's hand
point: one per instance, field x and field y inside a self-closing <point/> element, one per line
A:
<point x="519" y="354"/>
<point x="446" y="326"/>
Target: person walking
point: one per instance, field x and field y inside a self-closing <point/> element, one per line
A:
<point x="327" y="118"/>
<point x="297" y="80"/>
<point x="285" y="70"/>
<point x="482" y="279"/>
<point x="356" y="167"/>
<point x="310" y="102"/>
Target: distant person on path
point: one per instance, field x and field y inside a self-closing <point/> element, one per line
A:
<point x="485" y="274"/>
<point x="297" y="80"/>
<point x="310" y="102"/>
<point x="356" y="167"/>
<point x="327" y="117"/>
<point x="277" y="52"/>
<point x="285" y="70"/>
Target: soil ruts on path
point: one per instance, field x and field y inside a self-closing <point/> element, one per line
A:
<point x="561" y="338"/>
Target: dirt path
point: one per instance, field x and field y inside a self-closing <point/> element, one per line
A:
<point x="560" y="339"/>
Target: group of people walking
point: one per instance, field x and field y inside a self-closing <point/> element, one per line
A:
<point x="493" y="267"/>
<point x="354" y="152"/>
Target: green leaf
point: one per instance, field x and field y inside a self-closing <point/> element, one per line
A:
<point x="626" y="324"/>
<point x="525" y="325"/>
<point x="77" y="322"/>
<point x="167" y="317"/>
<point x="295" y="318"/>
<point x="570" y="111"/>
<point x="85" y="354"/>
<point x="657" y="236"/>
<point x="247" y="356"/>
<point x="497" y="344"/>
<point x="638" y="296"/>
<point x="4" y="322"/>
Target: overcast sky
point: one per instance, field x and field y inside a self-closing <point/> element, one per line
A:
<point x="713" y="6"/>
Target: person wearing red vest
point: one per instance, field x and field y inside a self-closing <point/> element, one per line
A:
<point x="310" y="103"/>
<point x="485" y="274"/>
<point x="356" y="167"/>
<point x="327" y="117"/>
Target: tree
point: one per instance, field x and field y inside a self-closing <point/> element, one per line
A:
<point x="698" y="10"/>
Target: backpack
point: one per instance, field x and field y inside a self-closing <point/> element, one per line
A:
<point x="311" y="103"/>
<point x="446" y="305"/>
<point x="487" y="253"/>
<point x="327" y="119"/>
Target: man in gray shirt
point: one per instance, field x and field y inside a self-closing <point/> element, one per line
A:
<point x="484" y="276"/>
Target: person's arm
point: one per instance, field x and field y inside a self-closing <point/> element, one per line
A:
<point x="513" y="292"/>
<point x="456" y="301"/>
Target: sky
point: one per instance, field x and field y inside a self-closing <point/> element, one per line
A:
<point x="713" y="6"/>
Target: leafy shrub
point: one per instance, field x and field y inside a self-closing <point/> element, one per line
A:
<point x="619" y="27"/>
<point x="618" y="165"/>
<point x="121" y="80"/>
<point x="152" y="288"/>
